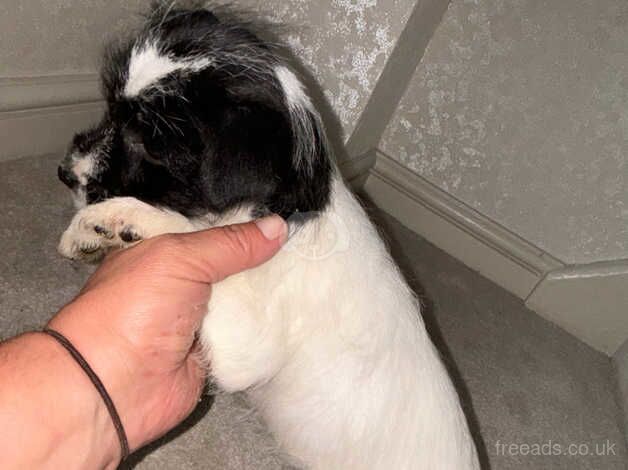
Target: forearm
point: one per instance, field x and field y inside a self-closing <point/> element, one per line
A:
<point x="51" y="415"/>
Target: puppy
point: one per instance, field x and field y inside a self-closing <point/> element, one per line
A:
<point x="207" y="125"/>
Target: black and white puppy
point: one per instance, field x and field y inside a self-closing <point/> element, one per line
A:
<point x="207" y="125"/>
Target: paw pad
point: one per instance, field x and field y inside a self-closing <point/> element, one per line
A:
<point x="128" y="235"/>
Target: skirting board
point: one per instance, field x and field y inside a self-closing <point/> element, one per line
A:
<point x="355" y="170"/>
<point x="448" y="223"/>
<point x="38" y="115"/>
<point x="20" y="93"/>
<point x="588" y="301"/>
<point x="44" y="130"/>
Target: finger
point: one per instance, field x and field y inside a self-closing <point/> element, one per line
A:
<point x="223" y="251"/>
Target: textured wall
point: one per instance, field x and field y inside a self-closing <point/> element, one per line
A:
<point x="345" y="42"/>
<point x="50" y="37"/>
<point x="520" y="109"/>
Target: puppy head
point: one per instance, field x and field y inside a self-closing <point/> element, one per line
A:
<point x="202" y="116"/>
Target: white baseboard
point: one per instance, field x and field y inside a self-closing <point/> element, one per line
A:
<point x="39" y="115"/>
<point x="20" y="93"/>
<point x="589" y="301"/>
<point x="461" y="231"/>
<point x="41" y="131"/>
<point x="355" y="170"/>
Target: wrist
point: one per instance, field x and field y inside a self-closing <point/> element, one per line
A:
<point x="87" y="417"/>
<point x="53" y="409"/>
<point x="113" y="361"/>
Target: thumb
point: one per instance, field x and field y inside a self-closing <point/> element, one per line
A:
<point x="220" y="252"/>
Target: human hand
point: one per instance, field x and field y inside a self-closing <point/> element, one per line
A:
<point x="136" y="318"/>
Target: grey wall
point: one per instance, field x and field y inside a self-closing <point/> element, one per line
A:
<point x="345" y="42"/>
<point x="520" y="109"/>
<point x="52" y="37"/>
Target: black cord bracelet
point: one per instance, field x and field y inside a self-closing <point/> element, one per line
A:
<point x="115" y="417"/>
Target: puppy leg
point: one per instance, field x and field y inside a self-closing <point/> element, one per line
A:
<point x="117" y="223"/>
<point x="243" y="337"/>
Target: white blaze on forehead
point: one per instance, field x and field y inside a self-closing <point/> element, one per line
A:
<point x="147" y="66"/>
<point x="292" y="87"/>
<point x="83" y="167"/>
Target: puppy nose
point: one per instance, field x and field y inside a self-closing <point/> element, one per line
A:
<point x="66" y="177"/>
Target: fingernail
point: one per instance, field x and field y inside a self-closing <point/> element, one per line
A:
<point x="273" y="227"/>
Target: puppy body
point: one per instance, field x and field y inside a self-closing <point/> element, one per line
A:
<point x="344" y="372"/>
<point x="326" y="338"/>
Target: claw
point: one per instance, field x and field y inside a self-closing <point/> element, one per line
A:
<point x="89" y="249"/>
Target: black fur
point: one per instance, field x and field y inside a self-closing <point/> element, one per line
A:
<point x="204" y="141"/>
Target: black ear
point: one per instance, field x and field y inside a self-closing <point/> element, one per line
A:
<point x="266" y="147"/>
<point x="252" y="160"/>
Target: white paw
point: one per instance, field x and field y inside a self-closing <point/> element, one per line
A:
<point x="92" y="234"/>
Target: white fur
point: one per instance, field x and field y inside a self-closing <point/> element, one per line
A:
<point x="299" y="106"/>
<point x="147" y="66"/>
<point x="84" y="167"/>
<point x="292" y="88"/>
<point x="331" y="348"/>
<point x="115" y="215"/>
<point x="79" y="198"/>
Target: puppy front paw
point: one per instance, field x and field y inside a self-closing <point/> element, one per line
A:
<point x="92" y="234"/>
